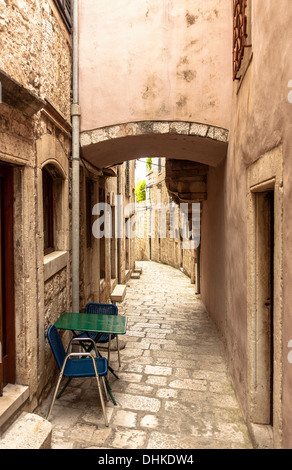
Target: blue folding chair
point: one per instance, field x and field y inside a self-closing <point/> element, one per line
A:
<point x="77" y="364"/>
<point x="103" y="309"/>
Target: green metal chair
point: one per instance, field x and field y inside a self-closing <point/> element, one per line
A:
<point x="103" y="309"/>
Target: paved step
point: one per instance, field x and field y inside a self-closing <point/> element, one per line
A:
<point x="135" y="275"/>
<point x="29" y="431"/>
<point x="119" y="292"/>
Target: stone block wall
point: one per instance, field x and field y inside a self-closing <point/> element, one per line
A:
<point x="35" y="130"/>
<point x="36" y="49"/>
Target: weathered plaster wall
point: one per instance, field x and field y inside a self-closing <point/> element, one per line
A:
<point x="151" y="60"/>
<point x="261" y="121"/>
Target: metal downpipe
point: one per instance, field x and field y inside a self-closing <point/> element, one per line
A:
<point x="75" y="114"/>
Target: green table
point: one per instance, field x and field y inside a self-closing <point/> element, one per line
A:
<point x="96" y="323"/>
<point x="92" y="322"/>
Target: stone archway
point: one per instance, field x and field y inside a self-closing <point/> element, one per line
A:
<point x="183" y="140"/>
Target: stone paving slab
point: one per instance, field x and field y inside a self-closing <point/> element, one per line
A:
<point x="173" y="392"/>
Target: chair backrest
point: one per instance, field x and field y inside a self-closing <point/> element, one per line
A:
<point x="103" y="309"/>
<point x="56" y="345"/>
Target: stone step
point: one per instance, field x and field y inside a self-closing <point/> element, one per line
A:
<point x="135" y="275"/>
<point x="119" y="292"/>
<point x="29" y="431"/>
<point x="138" y="270"/>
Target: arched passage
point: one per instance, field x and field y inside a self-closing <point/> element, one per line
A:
<point x="182" y="140"/>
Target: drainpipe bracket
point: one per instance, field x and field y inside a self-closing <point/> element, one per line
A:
<point x="75" y="110"/>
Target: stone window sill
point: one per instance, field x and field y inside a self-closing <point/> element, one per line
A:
<point x="54" y="262"/>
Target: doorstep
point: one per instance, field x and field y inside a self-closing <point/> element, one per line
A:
<point x="14" y="396"/>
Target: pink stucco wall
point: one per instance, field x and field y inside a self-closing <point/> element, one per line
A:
<point x="261" y="120"/>
<point x="150" y="60"/>
<point x="171" y="60"/>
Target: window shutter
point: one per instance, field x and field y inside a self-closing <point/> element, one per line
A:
<point x="239" y="35"/>
<point x="65" y="9"/>
<point x="127" y="179"/>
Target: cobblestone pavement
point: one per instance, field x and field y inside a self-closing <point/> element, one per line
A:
<point x="173" y="390"/>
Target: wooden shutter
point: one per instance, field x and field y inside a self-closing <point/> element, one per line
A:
<point x="65" y="9"/>
<point x="127" y="179"/>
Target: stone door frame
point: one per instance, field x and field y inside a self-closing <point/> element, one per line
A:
<point x="265" y="174"/>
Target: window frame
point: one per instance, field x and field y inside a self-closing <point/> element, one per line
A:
<point x="127" y="179"/>
<point x="159" y="165"/>
<point x="88" y="196"/>
<point x="47" y="179"/>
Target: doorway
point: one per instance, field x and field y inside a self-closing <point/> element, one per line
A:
<point x="264" y="268"/>
<point x="265" y="294"/>
<point x="7" y="327"/>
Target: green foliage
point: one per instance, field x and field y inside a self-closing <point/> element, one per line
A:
<point x="140" y="190"/>
<point x="149" y="164"/>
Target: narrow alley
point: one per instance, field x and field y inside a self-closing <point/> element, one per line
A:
<point x="173" y="390"/>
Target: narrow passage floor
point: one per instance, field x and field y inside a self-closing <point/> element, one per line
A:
<point x="173" y="390"/>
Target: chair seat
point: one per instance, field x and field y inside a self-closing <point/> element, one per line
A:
<point x="76" y="368"/>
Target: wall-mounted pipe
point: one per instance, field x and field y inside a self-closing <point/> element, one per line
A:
<point x="75" y="114"/>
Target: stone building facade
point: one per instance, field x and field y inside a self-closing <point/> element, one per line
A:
<point x="109" y="260"/>
<point x="36" y="200"/>
<point x="35" y="149"/>
<point x="201" y="82"/>
<point x="161" y="232"/>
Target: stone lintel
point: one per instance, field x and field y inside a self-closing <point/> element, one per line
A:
<point x="17" y="96"/>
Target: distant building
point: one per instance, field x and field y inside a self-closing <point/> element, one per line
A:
<point x="161" y="230"/>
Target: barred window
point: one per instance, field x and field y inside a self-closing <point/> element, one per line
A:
<point x="65" y="9"/>
<point x="159" y="165"/>
<point x="241" y="26"/>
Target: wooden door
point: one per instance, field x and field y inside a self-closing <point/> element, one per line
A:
<point x="7" y="325"/>
<point x="265" y="302"/>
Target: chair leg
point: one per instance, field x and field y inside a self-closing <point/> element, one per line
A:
<point x="110" y="391"/>
<point x="100" y="392"/>
<point x="102" y="400"/>
<point x="55" y="393"/>
<point x="118" y="347"/>
<point x="109" y="353"/>
<point x="105" y="389"/>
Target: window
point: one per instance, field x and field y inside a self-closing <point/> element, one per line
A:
<point x="65" y="9"/>
<point x="127" y="178"/>
<point x="89" y="191"/>
<point x="102" y="248"/>
<point x="159" y="165"/>
<point x="241" y="35"/>
<point x="48" y="212"/>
